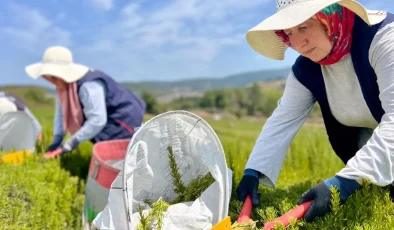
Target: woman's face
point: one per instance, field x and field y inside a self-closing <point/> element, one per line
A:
<point x="59" y="83"/>
<point x="310" y="39"/>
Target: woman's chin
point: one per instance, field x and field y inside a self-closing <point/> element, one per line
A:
<point x="314" y="58"/>
<point x="314" y="55"/>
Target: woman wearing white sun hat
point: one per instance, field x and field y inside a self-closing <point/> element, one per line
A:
<point x="89" y="103"/>
<point x="346" y="64"/>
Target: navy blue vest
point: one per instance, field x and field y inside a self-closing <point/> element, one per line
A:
<point x="125" y="111"/>
<point x="344" y="139"/>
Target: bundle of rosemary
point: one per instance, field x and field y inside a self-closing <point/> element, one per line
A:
<point x="185" y="193"/>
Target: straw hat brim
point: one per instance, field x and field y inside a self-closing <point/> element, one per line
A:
<point x="69" y="73"/>
<point x="262" y="38"/>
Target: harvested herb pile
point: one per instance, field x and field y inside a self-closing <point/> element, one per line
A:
<point x="185" y="193"/>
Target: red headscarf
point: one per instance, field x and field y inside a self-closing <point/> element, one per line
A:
<point x="338" y="21"/>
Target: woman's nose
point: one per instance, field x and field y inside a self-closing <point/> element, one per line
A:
<point x="298" y="41"/>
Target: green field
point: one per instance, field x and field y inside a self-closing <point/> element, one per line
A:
<point x="49" y="194"/>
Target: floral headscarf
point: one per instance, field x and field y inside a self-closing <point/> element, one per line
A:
<point x="338" y="22"/>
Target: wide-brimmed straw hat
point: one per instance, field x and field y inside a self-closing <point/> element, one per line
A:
<point x="290" y="13"/>
<point x="58" y="62"/>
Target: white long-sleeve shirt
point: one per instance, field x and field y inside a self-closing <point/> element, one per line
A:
<point x="375" y="160"/>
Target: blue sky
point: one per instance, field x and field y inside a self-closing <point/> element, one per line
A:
<point x="138" y="40"/>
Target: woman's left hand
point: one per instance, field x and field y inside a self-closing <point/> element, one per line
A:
<point x="69" y="145"/>
<point x="321" y="196"/>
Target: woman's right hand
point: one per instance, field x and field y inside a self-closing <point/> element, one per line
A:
<point x="249" y="186"/>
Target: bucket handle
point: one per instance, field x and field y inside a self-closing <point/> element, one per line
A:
<point x="95" y="169"/>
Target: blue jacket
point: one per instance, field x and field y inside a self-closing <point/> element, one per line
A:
<point x="344" y="139"/>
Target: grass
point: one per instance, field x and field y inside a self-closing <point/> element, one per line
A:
<point x="49" y="194"/>
<point x="38" y="195"/>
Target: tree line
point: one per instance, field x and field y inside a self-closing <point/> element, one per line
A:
<point x="251" y="101"/>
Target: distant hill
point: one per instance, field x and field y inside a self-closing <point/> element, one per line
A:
<point x="168" y="90"/>
<point x="201" y="85"/>
<point x="32" y="95"/>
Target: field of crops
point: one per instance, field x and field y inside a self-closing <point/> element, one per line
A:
<point x="49" y="194"/>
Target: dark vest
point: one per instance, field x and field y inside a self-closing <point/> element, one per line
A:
<point x="344" y="139"/>
<point x="125" y="111"/>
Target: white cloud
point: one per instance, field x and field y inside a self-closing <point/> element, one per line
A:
<point x="28" y="17"/>
<point x="103" y="4"/>
<point x="177" y="37"/>
<point x="32" y="31"/>
<point x="207" y="10"/>
<point x="130" y="9"/>
<point x="188" y="29"/>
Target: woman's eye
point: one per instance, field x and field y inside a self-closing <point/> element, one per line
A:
<point x="303" y="27"/>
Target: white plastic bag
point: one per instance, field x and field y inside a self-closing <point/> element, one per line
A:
<point x="146" y="175"/>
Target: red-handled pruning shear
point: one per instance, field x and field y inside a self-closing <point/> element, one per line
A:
<point x="298" y="212"/>
<point x="53" y="154"/>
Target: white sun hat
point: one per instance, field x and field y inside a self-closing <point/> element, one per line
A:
<point x="263" y="39"/>
<point x="58" y="62"/>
